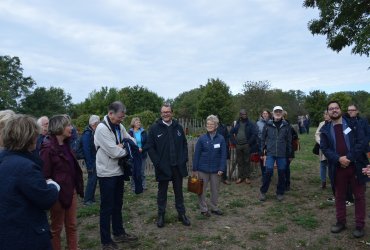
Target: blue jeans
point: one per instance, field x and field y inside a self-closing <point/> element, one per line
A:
<point x="266" y="179"/>
<point x="92" y="181"/>
<point x="287" y="173"/>
<point x="111" y="195"/>
<point x="323" y="167"/>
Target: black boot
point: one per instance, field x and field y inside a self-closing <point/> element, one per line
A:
<point x="160" y="220"/>
<point x="185" y="221"/>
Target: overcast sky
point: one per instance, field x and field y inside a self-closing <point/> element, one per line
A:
<point x="173" y="46"/>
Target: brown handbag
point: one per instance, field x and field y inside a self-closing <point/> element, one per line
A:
<point x="195" y="185"/>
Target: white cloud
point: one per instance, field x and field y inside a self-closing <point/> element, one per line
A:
<point x="172" y="46"/>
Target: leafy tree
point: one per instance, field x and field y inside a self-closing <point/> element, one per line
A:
<point x="97" y="103"/>
<point x="315" y="104"/>
<point x="147" y="118"/>
<point x="185" y="105"/>
<point x="216" y="99"/>
<point x="47" y="102"/>
<point x="139" y="99"/>
<point x="13" y="85"/>
<point x="344" y="99"/>
<point x="362" y="100"/>
<point x="256" y="96"/>
<point x="344" y="22"/>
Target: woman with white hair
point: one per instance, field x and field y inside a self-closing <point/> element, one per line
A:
<point x="89" y="151"/>
<point x="209" y="163"/>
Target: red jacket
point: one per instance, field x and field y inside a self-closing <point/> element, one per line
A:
<point x="55" y="166"/>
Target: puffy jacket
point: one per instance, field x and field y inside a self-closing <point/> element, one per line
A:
<point x="210" y="155"/>
<point x="277" y="142"/>
<point x="24" y="197"/>
<point x="57" y="167"/>
<point x="356" y="142"/>
<point x="158" y="147"/>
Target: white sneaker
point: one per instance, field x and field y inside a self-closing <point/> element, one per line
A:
<point x="348" y="203"/>
<point x="330" y="199"/>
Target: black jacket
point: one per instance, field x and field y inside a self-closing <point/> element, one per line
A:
<point x="158" y="147"/>
<point x="277" y="142"/>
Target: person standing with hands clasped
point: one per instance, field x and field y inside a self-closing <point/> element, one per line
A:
<point x="168" y="149"/>
<point x="345" y="146"/>
<point x="108" y="138"/>
<point x="209" y="164"/>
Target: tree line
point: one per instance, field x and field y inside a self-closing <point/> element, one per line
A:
<point x="21" y="94"/>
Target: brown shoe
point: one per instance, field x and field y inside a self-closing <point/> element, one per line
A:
<point x="247" y="181"/>
<point x="226" y="182"/>
<point x="238" y="181"/>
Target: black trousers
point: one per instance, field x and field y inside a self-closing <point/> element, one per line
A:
<point x="177" y="189"/>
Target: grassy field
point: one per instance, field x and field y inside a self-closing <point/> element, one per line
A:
<point x="302" y="220"/>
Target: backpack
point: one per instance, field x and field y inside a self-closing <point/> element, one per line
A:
<point x="78" y="148"/>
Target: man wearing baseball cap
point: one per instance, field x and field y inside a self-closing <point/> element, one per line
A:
<point x="276" y="145"/>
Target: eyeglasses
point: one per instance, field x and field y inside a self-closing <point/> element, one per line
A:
<point x="166" y="112"/>
<point x="352" y="110"/>
<point x="333" y="108"/>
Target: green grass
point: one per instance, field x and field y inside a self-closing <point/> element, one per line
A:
<point x="258" y="235"/>
<point x="307" y="221"/>
<point x="280" y="229"/>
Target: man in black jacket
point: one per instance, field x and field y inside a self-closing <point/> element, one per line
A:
<point x="168" y="150"/>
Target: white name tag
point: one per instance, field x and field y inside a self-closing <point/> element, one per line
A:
<point x="347" y="130"/>
<point x="216" y="145"/>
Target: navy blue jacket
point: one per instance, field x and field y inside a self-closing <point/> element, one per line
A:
<point x="158" y="147"/>
<point x="250" y="132"/>
<point x="210" y="155"/>
<point x="89" y="148"/>
<point x="24" y="197"/>
<point x="356" y="144"/>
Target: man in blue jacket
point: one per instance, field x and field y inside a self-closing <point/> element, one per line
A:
<point x="344" y="146"/>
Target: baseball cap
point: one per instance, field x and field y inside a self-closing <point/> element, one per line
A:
<point x="277" y="108"/>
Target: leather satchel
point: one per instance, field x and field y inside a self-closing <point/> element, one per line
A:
<point x="195" y="185"/>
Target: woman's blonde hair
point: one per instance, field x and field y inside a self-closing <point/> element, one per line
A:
<point x="20" y="132"/>
<point x="132" y="124"/>
<point x="57" y="123"/>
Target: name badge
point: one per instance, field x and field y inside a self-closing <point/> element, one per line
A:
<point x="216" y="145"/>
<point x="347" y="130"/>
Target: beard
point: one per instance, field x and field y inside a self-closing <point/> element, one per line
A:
<point x="336" y="115"/>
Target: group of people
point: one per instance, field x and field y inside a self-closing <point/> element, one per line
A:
<point x="344" y="144"/>
<point x="45" y="174"/>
